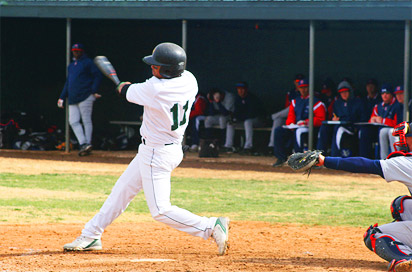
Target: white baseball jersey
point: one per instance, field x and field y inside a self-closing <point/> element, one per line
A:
<point x="167" y="104"/>
<point x="398" y="169"/>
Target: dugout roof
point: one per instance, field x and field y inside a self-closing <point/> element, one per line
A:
<point x="211" y="9"/>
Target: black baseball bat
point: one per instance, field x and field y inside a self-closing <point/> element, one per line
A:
<point x="106" y="68"/>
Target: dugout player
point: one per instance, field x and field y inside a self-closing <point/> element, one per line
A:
<point x="167" y="98"/>
<point x="298" y="114"/>
<point x="393" y="241"/>
<point x="384" y="113"/>
<point x="346" y="109"/>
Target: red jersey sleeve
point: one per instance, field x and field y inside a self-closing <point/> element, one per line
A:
<point x="287" y="101"/>
<point x="390" y="122"/>
<point x="291" y="115"/>
<point x="319" y="114"/>
<point x="199" y="108"/>
<point x="374" y="113"/>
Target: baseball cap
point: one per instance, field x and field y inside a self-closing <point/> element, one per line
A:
<point x="241" y="84"/>
<point x="372" y="81"/>
<point x="299" y="77"/>
<point x="327" y="86"/>
<point x="386" y="88"/>
<point x="77" y="47"/>
<point x="303" y="83"/>
<point x="398" y="89"/>
<point x="344" y="86"/>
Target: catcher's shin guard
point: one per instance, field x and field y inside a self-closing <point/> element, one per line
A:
<point x="388" y="248"/>
<point x="397" y="207"/>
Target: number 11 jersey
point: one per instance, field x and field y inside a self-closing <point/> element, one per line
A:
<point x="167" y="104"/>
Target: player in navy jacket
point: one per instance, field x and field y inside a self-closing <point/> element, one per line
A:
<point x="248" y="112"/>
<point x="345" y="109"/>
<point x="83" y="80"/>
<point x="384" y="113"/>
<point x="372" y="96"/>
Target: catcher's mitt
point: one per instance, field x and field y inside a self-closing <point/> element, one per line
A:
<point x="304" y="162"/>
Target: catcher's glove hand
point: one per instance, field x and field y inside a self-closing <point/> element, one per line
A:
<point x="304" y="161"/>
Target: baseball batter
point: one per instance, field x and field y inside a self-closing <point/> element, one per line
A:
<point x="167" y="98"/>
<point x="393" y="241"/>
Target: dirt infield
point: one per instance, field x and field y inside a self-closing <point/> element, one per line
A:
<point x="151" y="246"/>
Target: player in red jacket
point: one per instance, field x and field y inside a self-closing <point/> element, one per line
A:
<point x="298" y="115"/>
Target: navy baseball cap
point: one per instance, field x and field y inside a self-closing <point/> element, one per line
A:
<point x="241" y="84"/>
<point x="386" y="88"/>
<point x="299" y="77"/>
<point x="303" y="83"/>
<point x="77" y="47"/>
<point x="372" y="81"/>
<point x="399" y="89"/>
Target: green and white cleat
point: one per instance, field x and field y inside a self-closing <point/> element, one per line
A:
<point x="83" y="243"/>
<point x="221" y="234"/>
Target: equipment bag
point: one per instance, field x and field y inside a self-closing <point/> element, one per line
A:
<point x="208" y="148"/>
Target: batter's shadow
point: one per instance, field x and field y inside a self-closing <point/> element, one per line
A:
<point x="312" y="263"/>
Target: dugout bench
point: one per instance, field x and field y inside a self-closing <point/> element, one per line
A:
<point x="239" y="129"/>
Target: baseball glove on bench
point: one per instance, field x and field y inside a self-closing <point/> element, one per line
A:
<point x="304" y="162"/>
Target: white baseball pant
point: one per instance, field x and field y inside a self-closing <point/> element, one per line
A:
<point x="150" y="170"/>
<point x="84" y="111"/>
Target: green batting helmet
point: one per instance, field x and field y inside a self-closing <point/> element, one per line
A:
<point x="170" y="57"/>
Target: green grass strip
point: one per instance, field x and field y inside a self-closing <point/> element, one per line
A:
<point x="75" y="198"/>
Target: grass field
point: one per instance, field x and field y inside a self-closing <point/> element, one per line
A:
<point x="54" y="198"/>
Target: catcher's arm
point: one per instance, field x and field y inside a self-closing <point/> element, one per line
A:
<point x="321" y="160"/>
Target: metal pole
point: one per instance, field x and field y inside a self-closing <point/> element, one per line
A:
<point x="311" y="82"/>
<point x="0" y="71"/>
<point x="184" y="46"/>
<point x="407" y="57"/>
<point x="68" y="42"/>
<point x="184" y="34"/>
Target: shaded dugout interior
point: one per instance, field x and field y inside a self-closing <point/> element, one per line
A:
<point x="267" y="54"/>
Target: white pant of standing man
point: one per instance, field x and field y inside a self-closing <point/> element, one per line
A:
<point x="83" y="111"/>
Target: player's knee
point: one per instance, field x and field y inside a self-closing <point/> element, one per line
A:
<point x="74" y="123"/>
<point x="369" y="236"/>
<point x="208" y="123"/>
<point x="160" y="211"/>
<point x="398" y="206"/>
<point x="87" y="122"/>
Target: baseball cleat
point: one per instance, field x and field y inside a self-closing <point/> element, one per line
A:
<point x="221" y="234"/>
<point x="85" y="150"/>
<point x="83" y="243"/>
<point x="279" y="163"/>
<point x="400" y="266"/>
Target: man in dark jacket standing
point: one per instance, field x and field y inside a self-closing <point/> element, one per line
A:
<point x="81" y="90"/>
